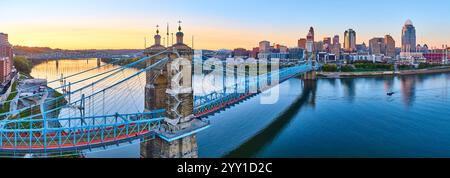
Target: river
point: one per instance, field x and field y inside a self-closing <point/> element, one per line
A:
<point x="323" y="118"/>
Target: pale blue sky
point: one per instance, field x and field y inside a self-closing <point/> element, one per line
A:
<point x="216" y="23"/>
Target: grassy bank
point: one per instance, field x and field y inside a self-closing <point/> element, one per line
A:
<point x="7" y="105"/>
<point x="442" y="69"/>
<point x="23" y="65"/>
<point x="36" y="110"/>
<point x="367" y="66"/>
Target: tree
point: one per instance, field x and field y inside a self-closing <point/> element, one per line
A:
<point x="330" y="68"/>
<point x="22" y="64"/>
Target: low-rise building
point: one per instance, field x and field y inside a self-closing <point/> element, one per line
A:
<point x="254" y="53"/>
<point x="6" y="58"/>
<point x="411" y="58"/>
<point x="297" y="53"/>
<point x="262" y="55"/>
<point x="241" y="52"/>
<point x="279" y="55"/>
<point x="436" y="58"/>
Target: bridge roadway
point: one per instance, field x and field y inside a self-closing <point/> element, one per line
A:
<point x="90" y="132"/>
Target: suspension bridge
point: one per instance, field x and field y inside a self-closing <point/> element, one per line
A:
<point x="78" y="115"/>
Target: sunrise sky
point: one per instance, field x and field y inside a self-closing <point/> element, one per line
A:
<point x="216" y="24"/>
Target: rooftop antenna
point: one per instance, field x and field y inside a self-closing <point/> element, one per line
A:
<point x="145" y="42"/>
<point x="167" y="35"/>
<point x="157" y="29"/>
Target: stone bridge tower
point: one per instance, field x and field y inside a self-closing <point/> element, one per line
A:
<point x="156" y="80"/>
<point x="171" y="88"/>
<point x="311" y="75"/>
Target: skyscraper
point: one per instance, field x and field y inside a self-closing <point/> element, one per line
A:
<point x="390" y="46"/>
<point x="336" y="47"/>
<point x="408" y="37"/>
<point x="310" y="40"/>
<point x="310" y="35"/>
<point x="318" y="46"/>
<point x="264" y="50"/>
<point x="264" y="47"/>
<point x="350" y="40"/>
<point x="377" y="46"/>
<point x="6" y="56"/>
<point x="302" y="43"/>
<point x="327" y="44"/>
<point x="336" y="39"/>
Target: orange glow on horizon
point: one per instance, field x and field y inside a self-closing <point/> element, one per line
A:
<point x="69" y="37"/>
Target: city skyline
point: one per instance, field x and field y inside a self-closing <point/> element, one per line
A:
<point x="117" y="25"/>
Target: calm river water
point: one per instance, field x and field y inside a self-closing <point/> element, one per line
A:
<point x="325" y="118"/>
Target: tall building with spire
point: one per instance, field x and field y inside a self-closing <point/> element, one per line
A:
<point x="408" y="37"/>
<point x="310" y="40"/>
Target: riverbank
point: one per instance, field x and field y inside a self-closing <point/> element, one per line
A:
<point x="444" y="69"/>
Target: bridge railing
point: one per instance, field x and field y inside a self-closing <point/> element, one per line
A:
<point x="283" y="73"/>
<point x="220" y="99"/>
<point x="120" y="128"/>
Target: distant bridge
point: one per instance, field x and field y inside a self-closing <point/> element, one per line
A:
<point x="80" y="55"/>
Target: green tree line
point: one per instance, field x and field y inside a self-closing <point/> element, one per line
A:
<point x="22" y="64"/>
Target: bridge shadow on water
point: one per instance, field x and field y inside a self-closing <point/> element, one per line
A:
<point x="266" y="136"/>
